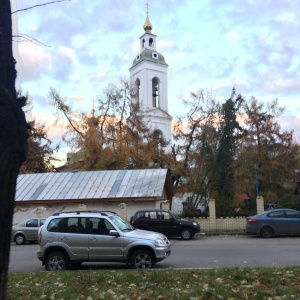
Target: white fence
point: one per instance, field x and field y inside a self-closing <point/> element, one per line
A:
<point x="212" y="224"/>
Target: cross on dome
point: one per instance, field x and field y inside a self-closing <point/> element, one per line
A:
<point x="147" y="25"/>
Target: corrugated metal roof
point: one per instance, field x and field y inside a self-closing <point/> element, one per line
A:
<point x="91" y="185"/>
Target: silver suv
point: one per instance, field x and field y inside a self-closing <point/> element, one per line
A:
<point x="71" y="238"/>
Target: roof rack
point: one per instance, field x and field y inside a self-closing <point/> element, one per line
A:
<point x="78" y="212"/>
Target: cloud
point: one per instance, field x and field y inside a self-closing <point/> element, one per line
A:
<point x="232" y="36"/>
<point x="98" y="76"/>
<point x="161" y="45"/>
<point x="77" y="97"/>
<point x="274" y="82"/>
<point x="32" y="59"/>
<point x="35" y="62"/>
<point x="288" y="18"/>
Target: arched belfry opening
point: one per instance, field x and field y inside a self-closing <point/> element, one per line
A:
<point x="155" y="92"/>
<point x="151" y="42"/>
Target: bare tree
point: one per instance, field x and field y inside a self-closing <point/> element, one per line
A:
<point x="13" y="139"/>
<point x="196" y="133"/>
<point x="112" y="136"/>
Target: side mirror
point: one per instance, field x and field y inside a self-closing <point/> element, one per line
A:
<point x="113" y="233"/>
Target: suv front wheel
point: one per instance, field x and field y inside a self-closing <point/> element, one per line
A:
<point x="186" y="234"/>
<point x="56" y="261"/>
<point x="142" y="259"/>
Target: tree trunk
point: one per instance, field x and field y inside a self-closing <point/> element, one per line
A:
<point x="13" y="140"/>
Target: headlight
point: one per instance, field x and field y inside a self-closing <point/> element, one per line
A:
<point x="160" y="242"/>
<point x="195" y="223"/>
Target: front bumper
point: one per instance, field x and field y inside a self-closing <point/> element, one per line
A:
<point x="162" y="253"/>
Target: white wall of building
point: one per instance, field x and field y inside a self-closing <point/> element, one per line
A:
<point x="23" y="212"/>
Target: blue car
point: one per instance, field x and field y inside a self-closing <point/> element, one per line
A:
<point x="282" y="221"/>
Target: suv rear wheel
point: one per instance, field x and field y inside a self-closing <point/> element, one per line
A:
<point x="186" y="234"/>
<point x="141" y="259"/>
<point x="56" y="261"/>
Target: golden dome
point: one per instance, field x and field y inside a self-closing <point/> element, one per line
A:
<point x="147" y="25"/>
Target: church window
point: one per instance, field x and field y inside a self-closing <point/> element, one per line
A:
<point x="155" y="92"/>
<point x="158" y="140"/>
<point x="138" y="57"/>
<point x="143" y="43"/>
<point x="137" y="89"/>
<point x="154" y="55"/>
<point x="151" y="42"/>
<point x="157" y="135"/>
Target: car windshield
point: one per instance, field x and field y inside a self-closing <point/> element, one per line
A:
<point x="121" y="224"/>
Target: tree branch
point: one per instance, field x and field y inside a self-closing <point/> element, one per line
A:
<point x="24" y="37"/>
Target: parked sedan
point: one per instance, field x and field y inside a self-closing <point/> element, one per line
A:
<point x="274" y="222"/>
<point x="27" y="231"/>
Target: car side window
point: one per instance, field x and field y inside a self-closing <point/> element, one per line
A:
<point x="163" y="215"/>
<point x="32" y="223"/>
<point x="55" y="225"/>
<point x="140" y="215"/>
<point x="160" y="215"/>
<point x="42" y="221"/>
<point x="75" y="225"/>
<point x="292" y="214"/>
<point x="100" y="226"/>
<point x="277" y="214"/>
<point x="167" y="216"/>
<point x="153" y="215"/>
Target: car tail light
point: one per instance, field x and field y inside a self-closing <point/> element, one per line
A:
<point x="251" y="220"/>
<point x="40" y="237"/>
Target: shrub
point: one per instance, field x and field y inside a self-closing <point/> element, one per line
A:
<point x="290" y="201"/>
<point x="189" y="211"/>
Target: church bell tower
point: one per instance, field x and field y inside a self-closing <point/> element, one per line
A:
<point x="148" y="77"/>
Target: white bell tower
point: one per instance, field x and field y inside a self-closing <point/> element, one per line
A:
<point x="148" y="76"/>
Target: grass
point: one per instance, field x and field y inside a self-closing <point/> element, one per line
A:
<point x="233" y="283"/>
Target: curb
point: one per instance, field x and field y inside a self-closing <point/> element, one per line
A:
<point x="219" y="233"/>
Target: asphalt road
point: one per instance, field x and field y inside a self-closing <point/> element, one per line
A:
<point x="201" y="252"/>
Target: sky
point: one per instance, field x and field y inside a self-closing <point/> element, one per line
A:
<point x="253" y="45"/>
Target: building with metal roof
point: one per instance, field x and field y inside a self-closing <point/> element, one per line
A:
<point x="47" y="193"/>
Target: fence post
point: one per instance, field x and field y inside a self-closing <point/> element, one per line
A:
<point x="260" y="204"/>
<point x="212" y="215"/>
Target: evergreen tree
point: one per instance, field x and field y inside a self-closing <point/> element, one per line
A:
<point x="40" y="152"/>
<point x="225" y="174"/>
